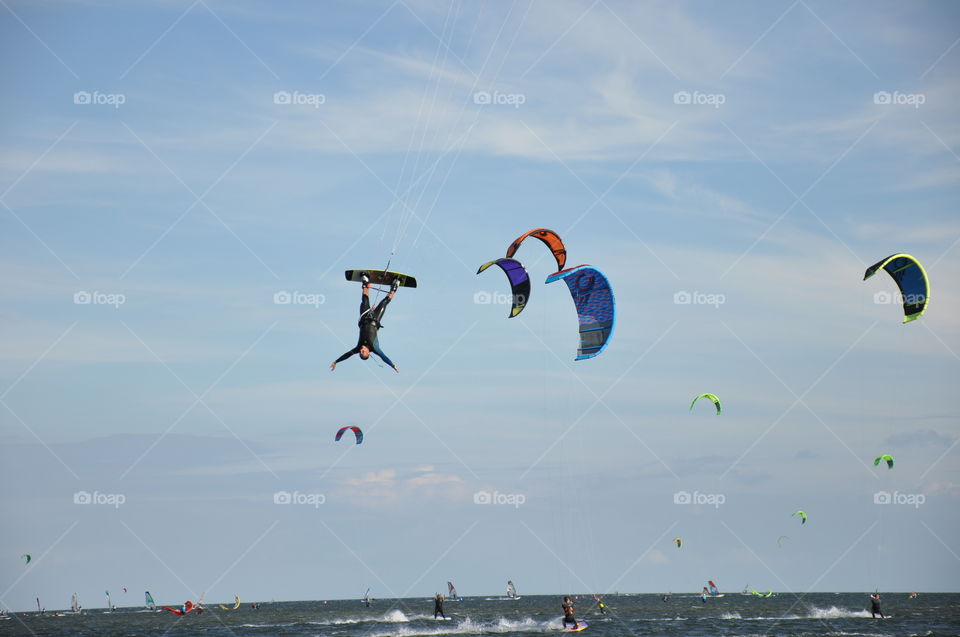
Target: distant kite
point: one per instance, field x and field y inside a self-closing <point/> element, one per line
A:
<point x="356" y="430"/>
<point x="887" y="457"/>
<point x="29" y="558"/>
<point x="711" y="397"/>
<point x="803" y="516"/>
<point x="678" y="541"/>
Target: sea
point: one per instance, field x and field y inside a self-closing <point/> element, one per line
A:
<point x="786" y="615"/>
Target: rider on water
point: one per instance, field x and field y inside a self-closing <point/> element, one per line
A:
<point x="369" y="325"/>
<point x="568" y="617"/>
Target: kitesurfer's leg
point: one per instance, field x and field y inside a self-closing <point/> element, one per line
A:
<point x="382" y="305"/>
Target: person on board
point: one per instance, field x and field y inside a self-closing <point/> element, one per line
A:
<point x="875" y="606"/>
<point x="438" y="606"/>
<point x="568" y="616"/>
<point x="369" y="324"/>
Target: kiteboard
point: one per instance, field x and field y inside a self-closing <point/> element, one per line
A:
<point x="580" y="626"/>
<point x="381" y="277"/>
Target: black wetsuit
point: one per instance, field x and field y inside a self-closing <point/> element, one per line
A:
<point x="875" y="607"/>
<point x="438" y="607"/>
<point x="568" y="617"/>
<point x="369" y="323"/>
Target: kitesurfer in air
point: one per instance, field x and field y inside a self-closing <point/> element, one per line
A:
<point x="369" y="325"/>
<point x="568" y="617"/>
<point x="875" y="606"/>
<point x="438" y="606"/>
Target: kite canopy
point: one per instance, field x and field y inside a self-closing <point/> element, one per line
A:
<point x="712" y="397"/>
<point x="355" y="430"/>
<point x="912" y="280"/>
<point x="782" y="537"/>
<point x="678" y="541"/>
<point x="596" y="312"/>
<point x="803" y="516"/>
<point x="28" y="557"/>
<point x="519" y="282"/>
<point x="887" y="457"/>
<point x="550" y="238"/>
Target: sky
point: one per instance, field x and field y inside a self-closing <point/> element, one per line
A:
<point x="183" y="183"/>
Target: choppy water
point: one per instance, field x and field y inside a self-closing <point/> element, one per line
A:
<point x="735" y="615"/>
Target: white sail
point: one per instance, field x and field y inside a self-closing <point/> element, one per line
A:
<point x="148" y="601"/>
<point x="75" y="603"/>
<point x="511" y="590"/>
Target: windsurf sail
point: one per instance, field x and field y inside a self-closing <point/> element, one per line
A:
<point x="75" y="603"/>
<point x="39" y="609"/>
<point x="511" y="589"/>
<point x="452" y="591"/>
<point x="148" y="601"/>
<point x="109" y="601"/>
<point x="713" y="588"/>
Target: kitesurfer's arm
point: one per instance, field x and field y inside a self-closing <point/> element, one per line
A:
<point x="376" y="350"/>
<point x="345" y="356"/>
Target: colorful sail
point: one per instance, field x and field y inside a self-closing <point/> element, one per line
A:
<point x="713" y="588"/>
<point x="148" y="601"/>
<point x="596" y="308"/>
<point x="452" y="591"/>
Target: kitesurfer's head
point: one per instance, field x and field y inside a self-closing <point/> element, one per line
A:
<point x="364" y="352"/>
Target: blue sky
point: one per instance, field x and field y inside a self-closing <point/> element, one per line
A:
<point x="181" y="164"/>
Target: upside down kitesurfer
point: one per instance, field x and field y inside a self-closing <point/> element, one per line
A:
<point x="369" y="324"/>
